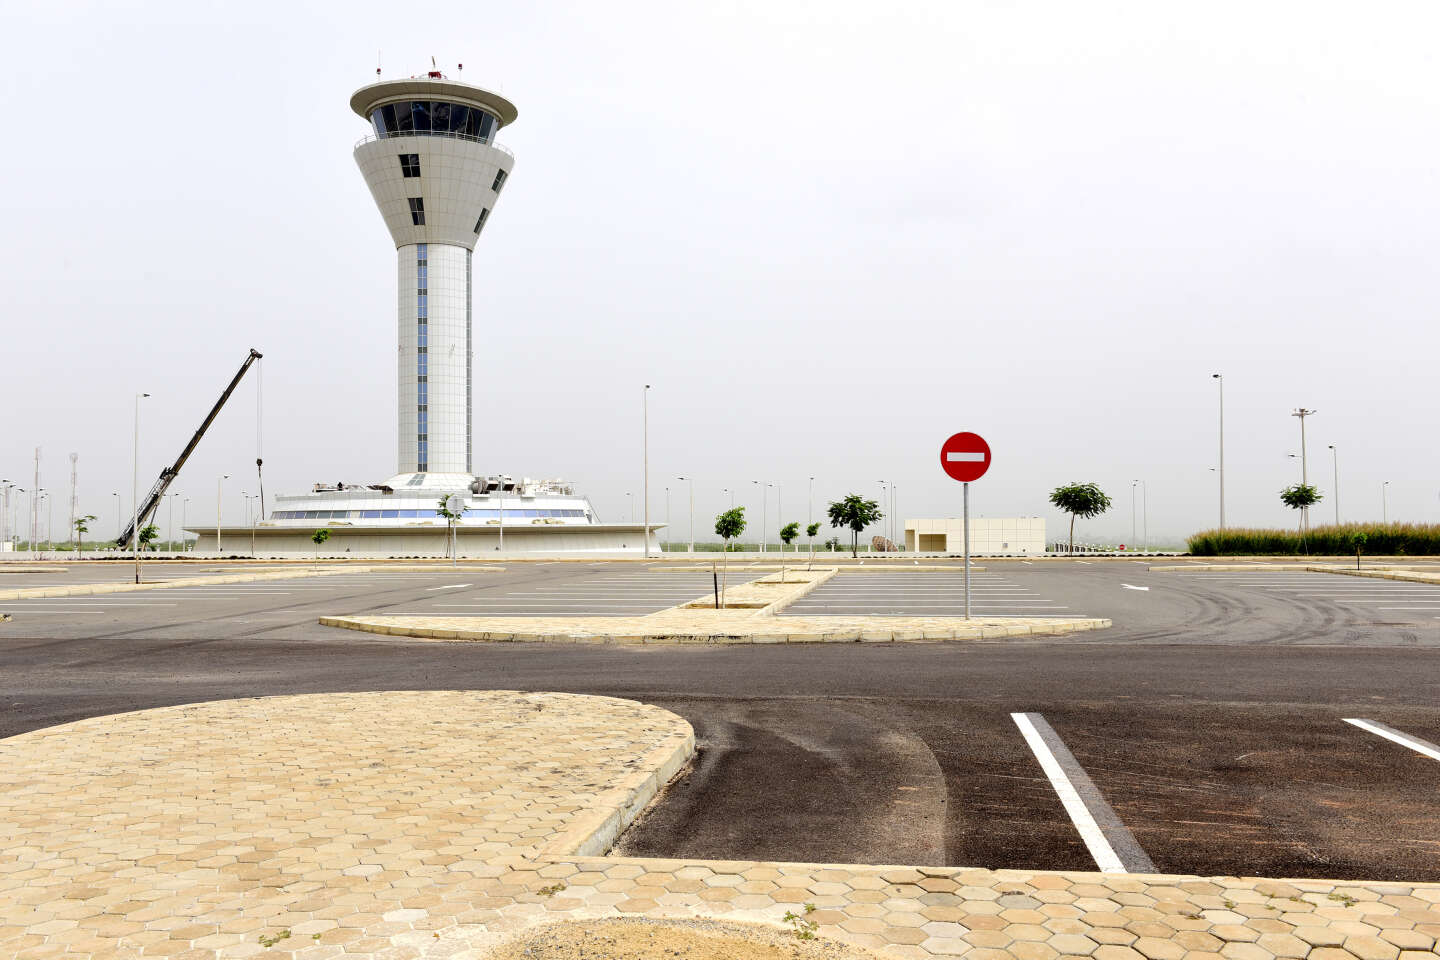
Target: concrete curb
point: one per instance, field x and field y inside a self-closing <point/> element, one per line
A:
<point x="846" y="568"/>
<point x="92" y="589"/>
<point x="750" y="630"/>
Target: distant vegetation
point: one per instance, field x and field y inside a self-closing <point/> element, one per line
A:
<point x="1381" y="539"/>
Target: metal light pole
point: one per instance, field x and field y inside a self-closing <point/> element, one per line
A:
<point x="691" y="481"/>
<point x="1221" y="379"/>
<point x="810" y="504"/>
<point x="5" y="486"/>
<point x="764" y="503"/>
<point x="219" y="494"/>
<point x="630" y="499"/>
<point x="1335" y="494"/>
<point x="1385" y="502"/>
<point x="1133" y="485"/>
<point x="1302" y="413"/>
<point x="645" y="488"/>
<point x="1145" y="513"/>
<point x="135" y="489"/>
<point x="667" y="516"/>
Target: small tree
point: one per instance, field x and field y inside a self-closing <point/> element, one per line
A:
<point x="857" y="513"/>
<point x="148" y="533"/>
<point x="787" y="535"/>
<point x="1080" y="500"/>
<point x="450" y="518"/>
<point x="1357" y="540"/>
<point x="729" y="524"/>
<point x="317" y="538"/>
<point x="810" y="532"/>
<point x="1300" y="497"/>
<point x="82" y="527"/>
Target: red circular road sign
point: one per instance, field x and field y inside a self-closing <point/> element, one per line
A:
<point x="965" y="457"/>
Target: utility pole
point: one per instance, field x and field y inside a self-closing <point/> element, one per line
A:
<point x="1302" y="413"/>
<point x="645" y="491"/>
<point x="1221" y="379"/>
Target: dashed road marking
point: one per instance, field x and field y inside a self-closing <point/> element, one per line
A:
<point x="450" y="586"/>
<point x="1131" y="586"/>
<point x="1109" y="841"/>
<point x="1404" y="739"/>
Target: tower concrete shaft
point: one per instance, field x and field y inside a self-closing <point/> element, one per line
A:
<point x="435" y="171"/>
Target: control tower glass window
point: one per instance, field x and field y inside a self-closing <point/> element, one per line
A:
<point x="436" y="118"/>
<point x="410" y="164"/>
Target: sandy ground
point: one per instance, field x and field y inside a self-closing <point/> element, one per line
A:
<point x="640" y="939"/>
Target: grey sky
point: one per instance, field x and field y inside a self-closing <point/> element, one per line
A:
<point x="829" y="234"/>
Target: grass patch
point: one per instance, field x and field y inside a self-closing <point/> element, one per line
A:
<point x="1381" y="539"/>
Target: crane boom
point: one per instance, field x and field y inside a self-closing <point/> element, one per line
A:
<point x="152" y="499"/>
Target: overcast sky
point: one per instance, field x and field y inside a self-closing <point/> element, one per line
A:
<point x="829" y="234"/>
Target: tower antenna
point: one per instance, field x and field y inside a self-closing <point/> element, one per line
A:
<point x="377" y="63"/>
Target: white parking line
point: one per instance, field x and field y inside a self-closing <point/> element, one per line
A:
<point x="1404" y="739"/>
<point x="1128" y="586"/>
<point x="1093" y="817"/>
<point x="450" y="586"/>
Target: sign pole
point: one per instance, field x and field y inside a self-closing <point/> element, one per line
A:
<point x="967" y="550"/>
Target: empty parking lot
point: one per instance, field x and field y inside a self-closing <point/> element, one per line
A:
<point x="1212" y="726"/>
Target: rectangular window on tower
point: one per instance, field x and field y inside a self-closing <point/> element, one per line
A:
<point x="480" y="220"/>
<point x="410" y="164"/>
<point x="500" y="176"/>
<point x="417" y="211"/>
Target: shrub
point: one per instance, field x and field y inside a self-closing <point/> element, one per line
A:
<point x="1379" y="539"/>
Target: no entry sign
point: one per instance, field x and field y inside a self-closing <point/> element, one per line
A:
<point x="965" y="457"/>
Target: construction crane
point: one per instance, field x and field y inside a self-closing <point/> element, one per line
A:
<point x="152" y="499"/>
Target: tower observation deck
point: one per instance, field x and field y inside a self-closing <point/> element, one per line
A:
<point x="436" y="173"/>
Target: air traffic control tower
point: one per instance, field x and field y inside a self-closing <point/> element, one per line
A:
<point x="436" y="172"/>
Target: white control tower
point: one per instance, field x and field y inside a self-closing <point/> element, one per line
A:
<point x="436" y="173"/>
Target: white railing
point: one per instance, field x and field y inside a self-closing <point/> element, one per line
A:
<point x="423" y="133"/>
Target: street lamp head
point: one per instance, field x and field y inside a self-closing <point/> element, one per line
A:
<point x="1217" y="376"/>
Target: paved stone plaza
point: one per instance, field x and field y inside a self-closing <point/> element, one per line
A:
<point x="405" y="825"/>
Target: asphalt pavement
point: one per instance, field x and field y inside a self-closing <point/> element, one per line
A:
<point x="1213" y="719"/>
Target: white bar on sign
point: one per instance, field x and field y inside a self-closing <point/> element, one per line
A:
<point x="954" y="457"/>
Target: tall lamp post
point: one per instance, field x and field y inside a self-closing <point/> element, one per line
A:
<point x="1221" y="379"/>
<point x="667" y="517"/>
<point x="645" y="486"/>
<point x="1302" y="413"/>
<point x="1133" y="485"/>
<point x="691" y="481"/>
<point x="1335" y="494"/>
<point x="135" y="489"/>
<point x="764" y="504"/>
<point x="1385" y="502"/>
<point x="219" y="494"/>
